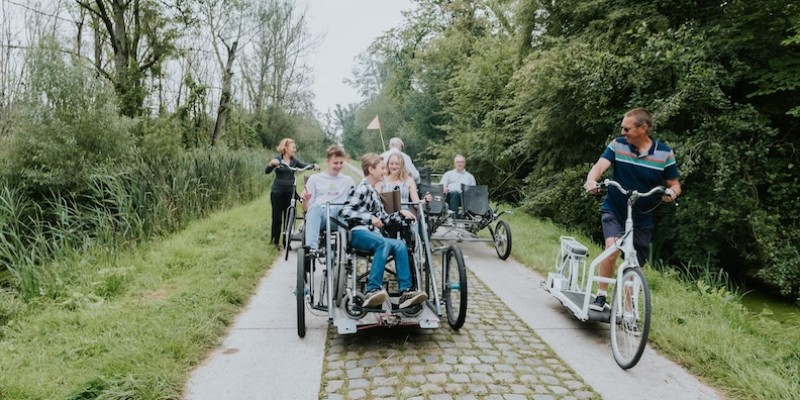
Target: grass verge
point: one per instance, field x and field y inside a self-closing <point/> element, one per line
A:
<point x="140" y="320"/>
<point x="704" y="328"/>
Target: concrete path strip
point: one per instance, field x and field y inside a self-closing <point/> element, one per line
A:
<point x="584" y="346"/>
<point x="262" y="357"/>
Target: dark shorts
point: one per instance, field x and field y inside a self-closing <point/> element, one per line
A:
<point x="612" y="227"/>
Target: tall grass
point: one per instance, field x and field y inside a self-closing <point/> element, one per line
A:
<point x="150" y="198"/>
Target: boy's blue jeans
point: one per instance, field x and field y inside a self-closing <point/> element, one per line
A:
<point x="381" y="247"/>
<point x="315" y="223"/>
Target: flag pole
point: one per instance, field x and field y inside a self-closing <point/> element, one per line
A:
<point x="376" y="124"/>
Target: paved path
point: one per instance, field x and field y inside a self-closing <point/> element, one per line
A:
<point x="517" y="343"/>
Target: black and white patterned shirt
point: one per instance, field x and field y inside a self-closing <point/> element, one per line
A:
<point x="363" y="202"/>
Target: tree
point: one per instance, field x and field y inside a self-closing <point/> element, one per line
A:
<point x="226" y="22"/>
<point x="141" y="35"/>
<point x="274" y="74"/>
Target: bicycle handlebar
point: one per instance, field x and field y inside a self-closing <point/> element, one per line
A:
<point x="630" y="193"/>
<point x="633" y="195"/>
<point x="283" y="164"/>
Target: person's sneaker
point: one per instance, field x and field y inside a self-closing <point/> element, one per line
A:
<point x="598" y="304"/>
<point x="375" y="298"/>
<point x="411" y="298"/>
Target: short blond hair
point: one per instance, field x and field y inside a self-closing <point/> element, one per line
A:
<point x="284" y="144"/>
<point x="369" y="160"/>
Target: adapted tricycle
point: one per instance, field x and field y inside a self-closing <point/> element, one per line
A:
<point x="333" y="280"/>
<point x="464" y="226"/>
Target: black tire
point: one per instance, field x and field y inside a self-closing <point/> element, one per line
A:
<point x="455" y="287"/>
<point x="502" y="239"/>
<point x="630" y="321"/>
<point x="300" y="292"/>
<point x="287" y="238"/>
<point x="340" y="266"/>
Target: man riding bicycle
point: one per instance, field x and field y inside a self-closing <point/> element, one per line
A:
<point x="640" y="163"/>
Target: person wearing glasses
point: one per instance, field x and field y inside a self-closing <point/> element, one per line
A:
<point x="639" y="163"/>
<point x="452" y="180"/>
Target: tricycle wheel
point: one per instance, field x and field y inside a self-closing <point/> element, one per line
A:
<point x="455" y="287"/>
<point x="300" y="292"/>
<point x="502" y="239"/>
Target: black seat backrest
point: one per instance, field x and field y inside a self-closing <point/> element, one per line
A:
<point x="437" y="205"/>
<point x="425" y="175"/>
<point x="475" y="199"/>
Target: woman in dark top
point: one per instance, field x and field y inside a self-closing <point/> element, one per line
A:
<point x="283" y="185"/>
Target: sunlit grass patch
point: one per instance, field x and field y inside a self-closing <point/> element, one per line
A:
<point x="135" y="324"/>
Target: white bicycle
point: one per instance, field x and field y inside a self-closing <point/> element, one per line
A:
<point x="629" y="314"/>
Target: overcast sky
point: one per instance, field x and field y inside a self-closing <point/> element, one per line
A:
<point x="348" y="26"/>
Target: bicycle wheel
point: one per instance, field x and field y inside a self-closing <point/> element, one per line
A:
<point x="340" y="268"/>
<point x="455" y="287"/>
<point x="300" y="293"/>
<point x="502" y="239"/>
<point x="630" y="320"/>
<point x="287" y="236"/>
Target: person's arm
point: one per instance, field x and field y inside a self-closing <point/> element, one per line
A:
<point x="308" y="194"/>
<point x="298" y="163"/>
<point x="595" y="173"/>
<point x="412" y="170"/>
<point x="445" y="181"/>
<point x="471" y="180"/>
<point x="273" y="163"/>
<point x="354" y="209"/>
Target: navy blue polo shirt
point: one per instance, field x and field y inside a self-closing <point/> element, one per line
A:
<point x="641" y="172"/>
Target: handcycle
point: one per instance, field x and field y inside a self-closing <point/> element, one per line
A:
<point x="290" y="218"/>
<point x="476" y="215"/>
<point x="333" y="280"/>
<point x="629" y="314"/>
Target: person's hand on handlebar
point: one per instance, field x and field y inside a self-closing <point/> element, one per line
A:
<point x="591" y="187"/>
<point x="274" y="162"/>
<point x="669" y="196"/>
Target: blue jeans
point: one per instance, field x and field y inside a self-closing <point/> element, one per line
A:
<point x="453" y="200"/>
<point x="315" y="222"/>
<point x="381" y="247"/>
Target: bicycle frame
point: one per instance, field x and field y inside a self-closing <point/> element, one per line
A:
<point x="631" y="308"/>
<point x="624" y="244"/>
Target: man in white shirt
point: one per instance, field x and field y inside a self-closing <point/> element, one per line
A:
<point x="328" y="186"/>
<point x="397" y="145"/>
<point x="452" y="181"/>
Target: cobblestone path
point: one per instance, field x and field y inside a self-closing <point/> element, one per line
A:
<point x="494" y="356"/>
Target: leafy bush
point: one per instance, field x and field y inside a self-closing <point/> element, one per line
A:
<point x="66" y="127"/>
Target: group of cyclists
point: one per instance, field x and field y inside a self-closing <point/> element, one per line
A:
<point x="639" y="162"/>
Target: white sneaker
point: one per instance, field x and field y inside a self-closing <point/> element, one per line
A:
<point x="375" y="298"/>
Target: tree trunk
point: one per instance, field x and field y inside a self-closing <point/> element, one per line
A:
<point x="225" y="96"/>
